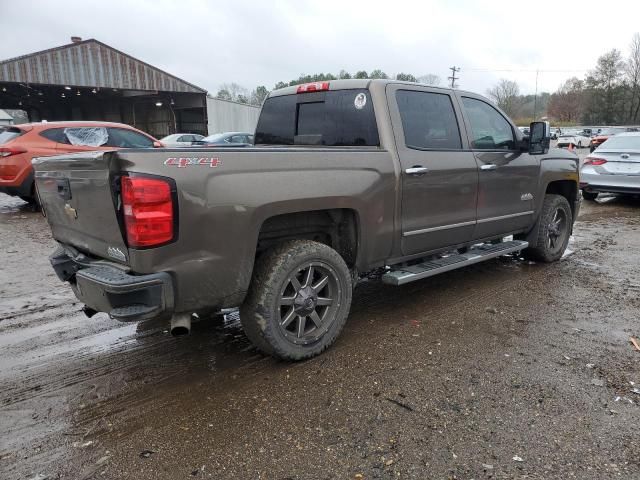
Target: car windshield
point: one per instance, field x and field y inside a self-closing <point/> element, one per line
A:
<point x="9" y="134"/>
<point x="216" y="137"/>
<point x="622" y="142"/>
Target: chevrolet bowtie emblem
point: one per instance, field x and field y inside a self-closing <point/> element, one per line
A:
<point x="69" y="210"/>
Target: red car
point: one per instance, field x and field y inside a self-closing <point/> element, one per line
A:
<point x="20" y="143"/>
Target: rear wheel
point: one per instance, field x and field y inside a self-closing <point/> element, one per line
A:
<point x="554" y="229"/>
<point x="591" y="196"/>
<point x="298" y="301"/>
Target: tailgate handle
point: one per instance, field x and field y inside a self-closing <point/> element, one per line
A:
<point x="64" y="188"/>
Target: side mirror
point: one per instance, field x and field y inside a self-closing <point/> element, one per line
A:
<point x="157" y="144"/>
<point x="539" y="138"/>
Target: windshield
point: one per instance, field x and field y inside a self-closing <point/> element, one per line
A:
<point x="9" y="134"/>
<point x="622" y="142"/>
<point x="216" y="137"/>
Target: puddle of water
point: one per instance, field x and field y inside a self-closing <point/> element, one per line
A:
<point x="115" y="338"/>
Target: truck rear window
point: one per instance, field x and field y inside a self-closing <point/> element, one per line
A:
<point x="340" y="118"/>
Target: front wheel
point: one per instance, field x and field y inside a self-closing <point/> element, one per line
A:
<point x="298" y="301"/>
<point x="591" y="196"/>
<point x="554" y="229"/>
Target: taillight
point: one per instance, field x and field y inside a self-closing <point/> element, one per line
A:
<point x="148" y="211"/>
<point x="594" y="161"/>
<point x="8" y="151"/>
<point x="313" y="87"/>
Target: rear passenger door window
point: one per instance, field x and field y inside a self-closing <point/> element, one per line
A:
<point x="122" y="138"/>
<point x="489" y="129"/>
<point x="55" y="135"/>
<point x="428" y="120"/>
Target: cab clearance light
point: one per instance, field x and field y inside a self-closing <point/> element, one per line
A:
<point x="313" y="87"/>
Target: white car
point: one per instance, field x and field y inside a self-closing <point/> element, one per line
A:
<point x="181" y="139"/>
<point x="614" y="167"/>
<point x="578" y="140"/>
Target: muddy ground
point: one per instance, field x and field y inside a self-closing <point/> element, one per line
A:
<point x="503" y="370"/>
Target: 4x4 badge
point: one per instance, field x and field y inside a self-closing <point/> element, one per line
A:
<point x="183" y="162"/>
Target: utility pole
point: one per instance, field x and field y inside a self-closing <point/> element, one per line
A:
<point x="453" y="77"/>
<point x="535" y="99"/>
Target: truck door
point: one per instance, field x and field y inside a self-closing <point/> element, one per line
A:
<point x="439" y="175"/>
<point x="508" y="176"/>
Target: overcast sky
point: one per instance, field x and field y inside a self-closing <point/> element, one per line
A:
<point x="209" y="43"/>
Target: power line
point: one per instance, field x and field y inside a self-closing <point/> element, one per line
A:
<point x="453" y="77"/>
<point x="522" y="70"/>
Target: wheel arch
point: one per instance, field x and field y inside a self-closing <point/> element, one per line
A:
<point x="338" y="228"/>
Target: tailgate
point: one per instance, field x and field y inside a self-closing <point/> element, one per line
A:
<point x="75" y="191"/>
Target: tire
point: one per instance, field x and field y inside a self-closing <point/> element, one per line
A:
<point x="553" y="231"/>
<point x="34" y="205"/>
<point x="591" y="196"/>
<point x="288" y="316"/>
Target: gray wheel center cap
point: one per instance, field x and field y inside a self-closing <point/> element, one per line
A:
<point x="305" y="301"/>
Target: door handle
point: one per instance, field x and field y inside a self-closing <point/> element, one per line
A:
<point x="416" y="170"/>
<point x="488" y="166"/>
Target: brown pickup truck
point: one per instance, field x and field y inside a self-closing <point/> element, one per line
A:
<point x="345" y="177"/>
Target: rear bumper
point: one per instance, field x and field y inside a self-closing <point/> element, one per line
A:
<point x="628" y="190"/>
<point x="106" y="288"/>
<point x="593" y="182"/>
<point x="18" y="188"/>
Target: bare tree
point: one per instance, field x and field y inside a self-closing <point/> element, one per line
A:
<point x="567" y="104"/>
<point x="234" y="92"/>
<point x="506" y="94"/>
<point x="430" y="79"/>
<point x="632" y="73"/>
<point x="258" y="95"/>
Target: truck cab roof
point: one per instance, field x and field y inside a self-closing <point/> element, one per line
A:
<point x="348" y="84"/>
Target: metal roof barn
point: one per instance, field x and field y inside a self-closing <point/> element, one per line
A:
<point x="88" y="80"/>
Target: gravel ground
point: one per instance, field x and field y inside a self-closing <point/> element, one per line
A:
<point x="506" y="369"/>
